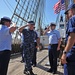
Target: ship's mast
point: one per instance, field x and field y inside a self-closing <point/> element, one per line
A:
<point x="27" y="10"/>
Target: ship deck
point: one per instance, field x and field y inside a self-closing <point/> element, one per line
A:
<point x="16" y="67"/>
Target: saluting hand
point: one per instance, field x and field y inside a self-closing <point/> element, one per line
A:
<point x="27" y="25"/>
<point x="63" y="59"/>
<point x="13" y="24"/>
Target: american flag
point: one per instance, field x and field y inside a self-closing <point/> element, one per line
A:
<point x="60" y="5"/>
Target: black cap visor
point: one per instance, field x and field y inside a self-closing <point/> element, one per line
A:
<point x="2" y="19"/>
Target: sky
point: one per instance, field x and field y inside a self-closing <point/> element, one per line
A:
<point x="49" y="12"/>
<point x="4" y="10"/>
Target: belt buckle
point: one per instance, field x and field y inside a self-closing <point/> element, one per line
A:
<point x="51" y="44"/>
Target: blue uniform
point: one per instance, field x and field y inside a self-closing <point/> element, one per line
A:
<point x="54" y="36"/>
<point x="5" y="38"/>
<point x="28" y="46"/>
<point x="35" y="52"/>
<point x="5" y="47"/>
<point x="21" y="47"/>
<point x="69" y="68"/>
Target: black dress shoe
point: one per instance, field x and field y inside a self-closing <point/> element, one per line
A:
<point x="55" y="72"/>
<point x="31" y="72"/>
<point x="34" y="65"/>
<point x="22" y="61"/>
<point x="50" y="70"/>
<point x="26" y="72"/>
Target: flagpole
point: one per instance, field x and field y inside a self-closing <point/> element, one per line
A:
<point x="66" y="6"/>
<point x="57" y="17"/>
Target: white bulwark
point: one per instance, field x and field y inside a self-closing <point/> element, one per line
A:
<point x="62" y="29"/>
<point x="44" y="41"/>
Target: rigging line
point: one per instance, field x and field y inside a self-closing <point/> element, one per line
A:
<point x="7" y="6"/>
<point x="43" y="16"/>
<point x="46" y="19"/>
<point x="10" y="4"/>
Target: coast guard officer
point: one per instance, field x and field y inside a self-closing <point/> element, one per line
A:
<point x="68" y="57"/>
<point x="5" y="43"/>
<point x="54" y="45"/>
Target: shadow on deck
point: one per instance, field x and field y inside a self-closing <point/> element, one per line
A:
<point x="16" y="67"/>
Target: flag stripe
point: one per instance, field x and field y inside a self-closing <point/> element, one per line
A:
<point x="60" y="5"/>
<point x="57" y="7"/>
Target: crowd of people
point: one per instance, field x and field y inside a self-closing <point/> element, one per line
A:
<point x="30" y="41"/>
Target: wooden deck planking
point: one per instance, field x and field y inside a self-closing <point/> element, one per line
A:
<point x="16" y="67"/>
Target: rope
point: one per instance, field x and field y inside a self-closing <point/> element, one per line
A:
<point x="8" y="6"/>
